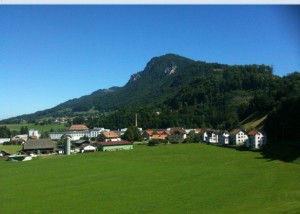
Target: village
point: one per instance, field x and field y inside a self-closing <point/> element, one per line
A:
<point x="80" y="139"/>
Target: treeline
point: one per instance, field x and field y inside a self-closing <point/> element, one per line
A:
<point x="221" y="100"/>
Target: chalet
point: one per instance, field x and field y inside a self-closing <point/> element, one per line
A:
<point x="238" y="137"/>
<point x="157" y="134"/>
<point x="223" y="137"/>
<point x="204" y="134"/>
<point x="115" y="145"/>
<point x="177" y="135"/>
<point x="256" y="139"/>
<point x="212" y="137"/>
<point x="39" y="146"/>
<point x="111" y="136"/>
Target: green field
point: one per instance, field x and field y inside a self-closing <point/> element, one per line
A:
<point x="43" y="128"/>
<point x="183" y="178"/>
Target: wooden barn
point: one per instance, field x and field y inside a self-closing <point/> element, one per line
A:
<point x="39" y="146"/>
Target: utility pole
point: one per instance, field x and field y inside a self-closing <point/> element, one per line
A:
<point x="136" y="120"/>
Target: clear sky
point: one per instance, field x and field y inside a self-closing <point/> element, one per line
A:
<point x="52" y="53"/>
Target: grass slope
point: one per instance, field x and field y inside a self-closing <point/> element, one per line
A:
<point x="191" y="178"/>
<point x="43" y="128"/>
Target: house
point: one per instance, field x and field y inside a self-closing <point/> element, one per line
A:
<point x="238" y="137"/>
<point x="18" y="139"/>
<point x="81" y="142"/>
<point x="78" y="127"/>
<point x="256" y="139"/>
<point x="115" y="145"/>
<point x="158" y="134"/>
<point x="87" y="148"/>
<point x="223" y="137"/>
<point x="111" y="136"/>
<point x="33" y="134"/>
<point x="212" y="137"/>
<point x="177" y="135"/>
<point x="39" y="146"/>
<point x="204" y="134"/>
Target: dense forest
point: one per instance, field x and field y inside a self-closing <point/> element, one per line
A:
<point x="175" y="91"/>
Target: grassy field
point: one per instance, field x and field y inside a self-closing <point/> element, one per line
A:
<point x="183" y="178"/>
<point x="43" y="128"/>
<point x="11" y="148"/>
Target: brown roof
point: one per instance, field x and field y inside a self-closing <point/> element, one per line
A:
<point x="159" y="137"/>
<point x="235" y="131"/>
<point x="111" y="134"/>
<point x="78" y="127"/>
<point x="115" y="143"/>
<point x="253" y="132"/>
<point x="39" y="144"/>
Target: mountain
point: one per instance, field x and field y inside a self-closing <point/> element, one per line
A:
<point x="176" y="91"/>
<point x="160" y="79"/>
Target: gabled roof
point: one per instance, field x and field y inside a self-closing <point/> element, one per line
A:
<point x="253" y="132"/>
<point x="236" y="131"/>
<point x="78" y="127"/>
<point x="80" y="142"/>
<point x="111" y="134"/>
<point x="39" y="144"/>
<point x="115" y="143"/>
<point x="159" y="137"/>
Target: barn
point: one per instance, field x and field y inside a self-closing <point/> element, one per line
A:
<point x="115" y="145"/>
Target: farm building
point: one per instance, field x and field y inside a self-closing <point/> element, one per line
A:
<point x="39" y="146"/>
<point x="87" y="148"/>
<point x="115" y="145"/>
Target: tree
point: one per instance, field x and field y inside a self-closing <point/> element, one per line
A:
<point x="132" y="134"/>
<point x="24" y="130"/>
<point x="100" y="138"/>
<point x="5" y="132"/>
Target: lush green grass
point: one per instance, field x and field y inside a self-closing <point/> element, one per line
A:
<point x="184" y="178"/>
<point x="43" y="128"/>
<point x="11" y="148"/>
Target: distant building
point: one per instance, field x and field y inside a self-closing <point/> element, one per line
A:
<point x="33" y="134"/>
<point x="238" y="137"/>
<point x="115" y="145"/>
<point x="256" y="139"/>
<point x="111" y="136"/>
<point x="40" y="146"/>
<point x="78" y="127"/>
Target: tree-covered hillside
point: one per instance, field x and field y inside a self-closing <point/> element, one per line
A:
<point x="175" y="91"/>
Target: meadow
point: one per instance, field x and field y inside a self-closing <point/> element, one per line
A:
<point x="182" y="178"/>
<point x="43" y="128"/>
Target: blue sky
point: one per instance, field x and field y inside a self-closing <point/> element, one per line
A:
<point x="52" y="53"/>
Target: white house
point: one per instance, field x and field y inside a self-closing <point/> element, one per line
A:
<point x="238" y="137"/>
<point x="223" y="137"/>
<point x="212" y="137"/>
<point x="33" y="134"/>
<point x="256" y="139"/>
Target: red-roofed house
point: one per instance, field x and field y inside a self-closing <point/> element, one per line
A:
<point x="256" y="139"/>
<point x="115" y="145"/>
<point x="78" y="127"/>
<point x="111" y="136"/>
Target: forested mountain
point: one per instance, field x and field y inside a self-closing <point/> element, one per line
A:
<point x="175" y="91"/>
